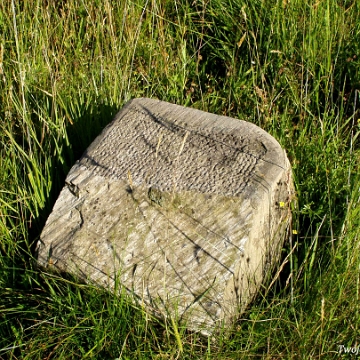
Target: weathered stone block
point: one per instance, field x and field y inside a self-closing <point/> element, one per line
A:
<point x="187" y="209"/>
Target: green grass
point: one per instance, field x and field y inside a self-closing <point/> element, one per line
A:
<point x="291" y="67"/>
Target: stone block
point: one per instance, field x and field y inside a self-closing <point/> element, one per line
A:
<point x="187" y="209"/>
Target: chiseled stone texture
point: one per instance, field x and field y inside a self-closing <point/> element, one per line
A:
<point x="188" y="210"/>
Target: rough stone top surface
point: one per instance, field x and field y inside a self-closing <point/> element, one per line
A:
<point x="177" y="148"/>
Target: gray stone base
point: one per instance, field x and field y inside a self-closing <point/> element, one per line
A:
<point x="188" y="210"/>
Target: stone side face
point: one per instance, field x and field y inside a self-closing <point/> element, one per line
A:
<point x="187" y="209"/>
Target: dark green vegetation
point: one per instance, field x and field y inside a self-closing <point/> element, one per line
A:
<point x="291" y="67"/>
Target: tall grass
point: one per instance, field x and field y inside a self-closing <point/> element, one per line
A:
<point x="291" y="67"/>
